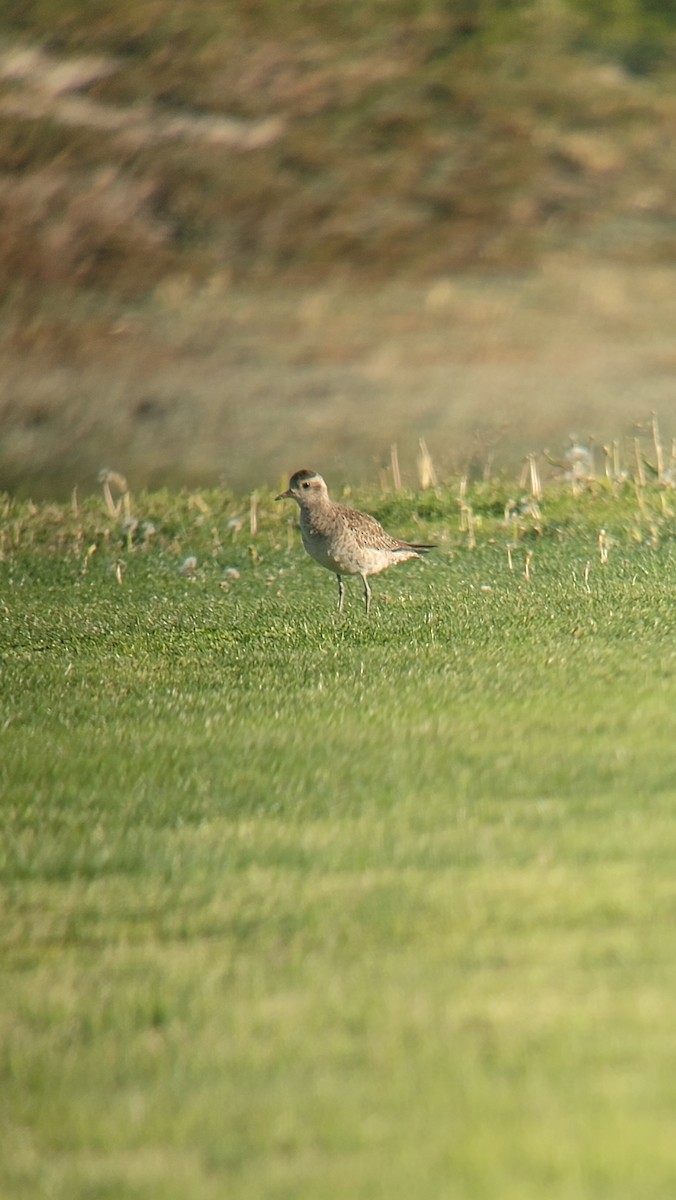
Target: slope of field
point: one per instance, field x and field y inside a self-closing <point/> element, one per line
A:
<point x="227" y="232"/>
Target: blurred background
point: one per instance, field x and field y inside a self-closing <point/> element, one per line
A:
<point x="239" y="238"/>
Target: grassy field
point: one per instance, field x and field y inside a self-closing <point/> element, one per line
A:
<point x="302" y="906"/>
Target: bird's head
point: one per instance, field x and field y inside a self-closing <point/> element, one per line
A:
<point x="304" y="487"/>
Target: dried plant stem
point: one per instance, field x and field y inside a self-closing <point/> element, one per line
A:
<point x="91" y="550"/>
<point x="426" y="471"/>
<point x="535" y="483"/>
<point x="467" y="518"/>
<point x="462" y="501"/>
<point x="110" y="480"/>
<point x="471" y="529"/>
<point x="394" y="464"/>
<point x="659" y="452"/>
<point x="640" y="469"/>
<point x="530" y="477"/>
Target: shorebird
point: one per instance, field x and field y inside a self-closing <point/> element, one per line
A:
<point x="342" y="539"/>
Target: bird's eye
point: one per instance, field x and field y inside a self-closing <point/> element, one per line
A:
<point x="306" y="483"/>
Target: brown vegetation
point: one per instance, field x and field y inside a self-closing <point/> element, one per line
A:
<point x="196" y="205"/>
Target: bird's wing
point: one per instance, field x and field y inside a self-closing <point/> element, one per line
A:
<point x="368" y="532"/>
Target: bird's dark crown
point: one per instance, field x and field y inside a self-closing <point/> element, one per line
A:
<point x="300" y="476"/>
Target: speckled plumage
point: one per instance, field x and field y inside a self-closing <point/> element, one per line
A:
<point x="342" y="539"/>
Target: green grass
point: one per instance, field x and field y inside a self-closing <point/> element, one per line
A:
<point x="301" y="906"/>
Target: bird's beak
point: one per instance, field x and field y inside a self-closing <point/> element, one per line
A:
<point x="287" y="495"/>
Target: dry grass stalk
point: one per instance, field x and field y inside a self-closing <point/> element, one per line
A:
<point x="426" y="471"/>
<point x="640" y="500"/>
<point x="394" y="464"/>
<point x="471" y="529"/>
<point x="462" y="501"/>
<point x="535" y="482"/>
<point x="467" y="518"/>
<point x="129" y="529"/>
<point x="253" y="514"/>
<point x="113" y="479"/>
<point x="603" y="546"/>
<point x="91" y="550"/>
<point x="530" y="477"/>
<point x="529" y="559"/>
<point x="659" y="452"/>
<point x="640" y="469"/>
<point x="613" y="463"/>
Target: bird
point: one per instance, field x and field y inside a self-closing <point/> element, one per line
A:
<point x="342" y="539"/>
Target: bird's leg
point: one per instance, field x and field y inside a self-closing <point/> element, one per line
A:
<point x="367" y="594"/>
<point x="341" y="593"/>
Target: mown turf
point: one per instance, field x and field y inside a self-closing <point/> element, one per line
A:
<point x="297" y="905"/>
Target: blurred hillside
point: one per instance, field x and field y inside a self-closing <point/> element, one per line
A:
<point x="165" y="159"/>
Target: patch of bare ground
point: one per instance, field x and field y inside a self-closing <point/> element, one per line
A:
<point x="218" y="383"/>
